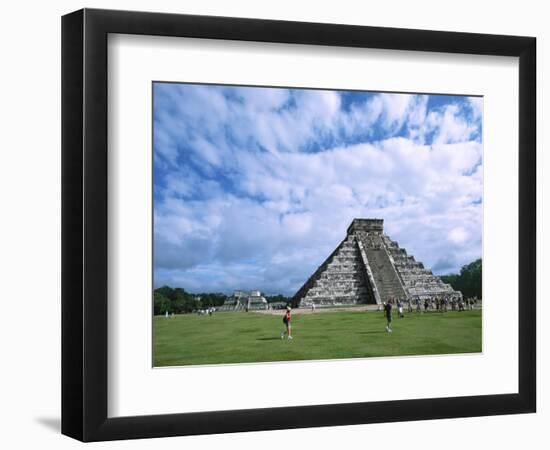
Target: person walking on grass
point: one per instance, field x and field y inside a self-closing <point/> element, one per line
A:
<point x="387" y="313"/>
<point x="286" y="320"/>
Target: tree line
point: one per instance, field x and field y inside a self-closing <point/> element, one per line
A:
<point x="277" y="299"/>
<point x="468" y="281"/>
<point x="179" y="301"/>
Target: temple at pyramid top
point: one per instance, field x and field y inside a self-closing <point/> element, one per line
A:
<point x="368" y="267"/>
<point x="367" y="225"/>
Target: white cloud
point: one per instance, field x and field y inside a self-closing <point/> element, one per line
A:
<point x="476" y="104"/>
<point x="395" y="109"/>
<point x="458" y="235"/>
<point x="285" y="209"/>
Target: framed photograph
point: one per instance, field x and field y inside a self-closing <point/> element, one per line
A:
<point x="272" y="224"/>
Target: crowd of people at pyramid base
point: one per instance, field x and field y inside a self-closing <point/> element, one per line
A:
<point x="438" y="304"/>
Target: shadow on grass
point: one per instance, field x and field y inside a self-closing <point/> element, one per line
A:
<point x="372" y="332"/>
<point x="269" y="339"/>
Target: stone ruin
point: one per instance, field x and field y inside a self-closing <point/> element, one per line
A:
<point x="369" y="268"/>
<point x="245" y="301"/>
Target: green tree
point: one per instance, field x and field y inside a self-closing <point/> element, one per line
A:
<point x="277" y="298"/>
<point x="468" y="281"/>
<point x="209" y="300"/>
<point x="161" y="303"/>
<point x="175" y="301"/>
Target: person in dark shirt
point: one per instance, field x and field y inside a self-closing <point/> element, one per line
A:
<point x="387" y="312"/>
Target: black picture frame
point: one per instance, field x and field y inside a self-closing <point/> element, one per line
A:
<point x="84" y="224"/>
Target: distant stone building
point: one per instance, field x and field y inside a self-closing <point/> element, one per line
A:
<point x="368" y="267"/>
<point x="245" y="300"/>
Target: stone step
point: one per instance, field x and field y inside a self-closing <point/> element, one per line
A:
<point x="346" y="300"/>
<point x="332" y="288"/>
<point x="345" y="267"/>
<point x="348" y="274"/>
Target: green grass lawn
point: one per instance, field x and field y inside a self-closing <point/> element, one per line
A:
<point x="239" y="337"/>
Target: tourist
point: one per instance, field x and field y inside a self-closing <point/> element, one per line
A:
<point x="418" y="305"/>
<point x="400" y="309"/>
<point x="286" y="320"/>
<point x="409" y="306"/>
<point x="426" y="305"/>
<point x="387" y="312"/>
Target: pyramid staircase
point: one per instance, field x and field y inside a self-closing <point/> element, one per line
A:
<point x="386" y="278"/>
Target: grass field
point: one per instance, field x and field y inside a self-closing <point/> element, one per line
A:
<point x="238" y="337"/>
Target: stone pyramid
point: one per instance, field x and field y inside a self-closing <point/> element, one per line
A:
<point x="368" y="267"/>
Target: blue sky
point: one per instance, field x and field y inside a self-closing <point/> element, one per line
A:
<point x="254" y="187"/>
